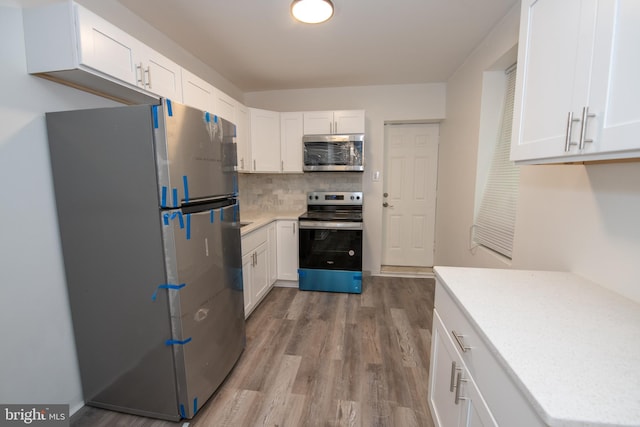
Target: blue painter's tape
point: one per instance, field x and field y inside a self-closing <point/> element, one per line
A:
<point x="170" y="217"/>
<point x="154" y="110"/>
<point x="175" y="197"/>
<point x="188" y="227"/>
<point x="178" y="342"/>
<point x="215" y="119"/>
<point x="163" y="202"/>
<point x="185" y="184"/>
<point x="169" y="109"/>
<point x="183" y="414"/>
<point x="235" y="184"/>
<point x="221" y="214"/>
<point x="195" y="405"/>
<point x="206" y="117"/>
<point x="167" y="286"/>
<point x="212" y="216"/>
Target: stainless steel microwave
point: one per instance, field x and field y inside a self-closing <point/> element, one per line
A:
<point x="333" y="152"/>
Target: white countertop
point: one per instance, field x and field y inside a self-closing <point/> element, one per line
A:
<point x="571" y="346"/>
<point x="260" y="219"/>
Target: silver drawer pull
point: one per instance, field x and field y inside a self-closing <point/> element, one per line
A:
<point x="583" y="129"/>
<point x="458" y="338"/>
<point x="458" y="398"/>
<point x="567" y="141"/>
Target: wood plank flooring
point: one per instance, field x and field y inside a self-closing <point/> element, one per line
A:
<point x="322" y="359"/>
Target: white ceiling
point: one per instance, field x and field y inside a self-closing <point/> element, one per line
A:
<point x="256" y="45"/>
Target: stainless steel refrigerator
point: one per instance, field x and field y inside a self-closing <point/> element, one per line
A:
<point x="149" y="224"/>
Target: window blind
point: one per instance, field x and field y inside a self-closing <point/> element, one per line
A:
<point x="496" y="217"/>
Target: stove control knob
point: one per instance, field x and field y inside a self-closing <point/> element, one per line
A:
<point x="310" y="197"/>
<point x="352" y="197"/>
<point x="316" y="197"/>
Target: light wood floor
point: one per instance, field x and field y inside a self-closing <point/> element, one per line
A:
<point x="322" y="359"/>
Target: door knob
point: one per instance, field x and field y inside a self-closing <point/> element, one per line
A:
<point x="387" y="205"/>
<point x="386" y="194"/>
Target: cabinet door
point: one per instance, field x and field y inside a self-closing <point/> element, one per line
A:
<point x="291" y="141"/>
<point x="348" y="121"/>
<point x="445" y="366"/>
<point x="615" y="87"/>
<point x="261" y="272"/>
<point x="159" y="75"/>
<point x="242" y="138"/>
<point x="318" y="122"/>
<point x="554" y="62"/>
<point x="287" y="250"/>
<point x="265" y="140"/>
<point x="104" y="47"/>
<point x="272" y="252"/>
<point x="225" y="106"/>
<point x="247" y="283"/>
<point x="196" y="92"/>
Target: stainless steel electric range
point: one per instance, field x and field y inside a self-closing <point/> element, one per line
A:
<point x="330" y="250"/>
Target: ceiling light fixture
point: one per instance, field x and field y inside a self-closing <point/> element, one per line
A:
<point x="312" y="11"/>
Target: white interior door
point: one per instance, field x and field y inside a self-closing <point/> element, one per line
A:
<point x="411" y="171"/>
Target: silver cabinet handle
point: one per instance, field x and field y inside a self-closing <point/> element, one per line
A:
<point x="452" y="383"/>
<point x="458" y="398"/>
<point x="282" y="165"/>
<point x="458" y="338"/>
<point x="148" y="74"/>
<point x="567" y="142"/>
<point x="254" y="165"/>
<point x="583" y="128"/>
<point x="139" y="75"/>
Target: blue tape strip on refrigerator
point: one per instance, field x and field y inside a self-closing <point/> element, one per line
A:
<point x="154" y="111"/>
<point x="175" y="197"/>
<point x="167" y="286"/>
<point x="235" y="184"/>
<point x="207" y="117"/>
<point x="183" y="413"/>
<point x="169" y="109"/>
<point x="221" y="214"/>
<point x="195" y="405"/>
<point x="178" y="342"/>
<point x="170" y="216"/>
<point x="185" y="185"/>
<point x="163" y="201"/>
<point x="212" y="216"/>
<point x="215" y="119"/>
<point x="188" y="232"/>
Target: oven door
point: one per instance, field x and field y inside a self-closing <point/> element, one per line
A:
<point x="330" y="245"/>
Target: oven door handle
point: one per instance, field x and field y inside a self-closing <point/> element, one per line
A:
<point x="330" y="225"/>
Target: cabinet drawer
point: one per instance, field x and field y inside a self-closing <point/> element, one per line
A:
<point x="254" y="239"/>
<point x="508" y="405"/>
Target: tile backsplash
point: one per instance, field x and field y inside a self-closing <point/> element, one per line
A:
<point x="287" y="192"/>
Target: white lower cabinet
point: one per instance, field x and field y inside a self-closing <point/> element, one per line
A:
<point x="454" y="397"/>
<point x="255" y="268"/>
<point x="287" y="248"/>
<point x="467" y="385"/>
<point x="272" y="243"/>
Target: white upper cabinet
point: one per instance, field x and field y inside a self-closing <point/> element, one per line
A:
<point x="291" y="141"/>
<point x="196" y="92"/>
<point x="225" y="106"/>
<point x="70" y="44"/>
<point x="106" y="48"/>
<point x="333" y="122"/>
<point x="577" y="87"/>
<point x="265" y="140"/>
<point x="243" y="145"/>
<point x="158" y="74"/>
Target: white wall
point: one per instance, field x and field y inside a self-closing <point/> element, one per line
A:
<point x="579" y="218"/>
<point x="37" y="355"/>
<point x="382" y="103"/>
